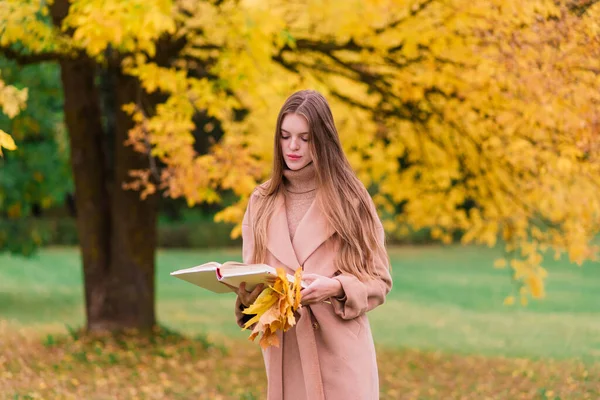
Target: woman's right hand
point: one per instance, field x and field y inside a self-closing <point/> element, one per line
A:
<point x="247" y="298"/>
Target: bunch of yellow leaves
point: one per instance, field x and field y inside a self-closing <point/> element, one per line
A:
<point x="275" y="308"/>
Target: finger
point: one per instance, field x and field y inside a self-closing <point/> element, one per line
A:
<point x="244" y="299"/>
<point x="308" y="300"/>
<point x="312" y="284"/>
<point x="304" y="301"/>
<point x="306" y="292"/>
<point x="247" y="288"/>
<point x="259" y="288"/>
<point x="310" y="277"/>
<point x="244" y="295"/>
<point x="250" y="297"/>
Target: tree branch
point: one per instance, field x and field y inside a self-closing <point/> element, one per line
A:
<point x="27" y="59"/>
<point x="350" y="101"/>
<point x="285" y="64"/>
<point x="376" y="82"/>
<point x="595" y="71"/>
<point x="580" y="7"/>
<point x="327" y="47"/>
<point x="414" y="11"/>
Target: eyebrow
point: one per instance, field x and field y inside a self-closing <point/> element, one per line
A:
<point x="302" y="133"/>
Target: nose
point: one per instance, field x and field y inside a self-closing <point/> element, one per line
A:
<point x="294" y="145"/>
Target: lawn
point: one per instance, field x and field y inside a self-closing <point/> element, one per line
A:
<point x="448" y="299"/>
<point x="443" y="331"/>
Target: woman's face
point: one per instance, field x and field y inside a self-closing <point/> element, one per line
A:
<point x="294" y="141"/>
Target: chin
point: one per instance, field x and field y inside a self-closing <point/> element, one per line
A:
<point x="294" y="166"/>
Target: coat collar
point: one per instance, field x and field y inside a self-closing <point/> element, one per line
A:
<point x="313" y="229"/>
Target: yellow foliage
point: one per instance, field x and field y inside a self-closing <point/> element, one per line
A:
<point x="6" y="141"/>
<point x="23" y="22"/>
<point x="274" y="308"/>
<point x="476" y="117"/>
<point x="127" y="25"/>
<point x="12" y="101"/>
<point x="509" y="301"/>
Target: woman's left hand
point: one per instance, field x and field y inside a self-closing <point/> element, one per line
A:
<point x="320" y="288"/>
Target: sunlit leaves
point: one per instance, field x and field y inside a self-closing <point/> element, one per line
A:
<point x="130" y="25"/>
<point x="6" y="141"/>
<point x="470" y="119"/>
<point x="26" y="23"/>
<point x="12" y="101"/>
<point x="474" y="116"/>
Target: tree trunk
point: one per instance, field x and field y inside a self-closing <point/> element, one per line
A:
<point x="133" y="239"/>
<point x="117" y="230"/>
<point x="82" y="118"/>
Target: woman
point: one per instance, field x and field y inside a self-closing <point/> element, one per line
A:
<point x="315" y="213"/>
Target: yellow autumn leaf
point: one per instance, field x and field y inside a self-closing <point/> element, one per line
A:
<point x="509" y="301"/>
<point x="263" y="302"/>
<point x="12" y="100"/>
<point x="274" y="308"/>
<point x="536" y="286"/>
<point x="524" y="300"/>
<point x="6" y="141"/>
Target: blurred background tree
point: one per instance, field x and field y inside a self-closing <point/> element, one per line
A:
<point x="36" y="176"/>
<point x="473" y="119"/>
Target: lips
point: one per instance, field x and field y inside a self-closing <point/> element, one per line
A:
<point x="293" y="157"/>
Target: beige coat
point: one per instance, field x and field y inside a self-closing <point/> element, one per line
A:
<point x="329" y="354"/>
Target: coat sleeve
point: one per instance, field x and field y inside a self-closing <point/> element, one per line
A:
<point x="247" y="252"/>
<point x="362" y="296"/>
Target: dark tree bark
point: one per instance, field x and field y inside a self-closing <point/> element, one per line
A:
<point x="133" y="233"/>
<point x="117" y="230"/>
<point x="82" y="118"/>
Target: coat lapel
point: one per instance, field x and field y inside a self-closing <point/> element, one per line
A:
<point x="278" y="236"/>
<point x="313" y="229"/>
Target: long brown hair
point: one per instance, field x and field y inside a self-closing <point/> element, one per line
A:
<point x="341" y="196"/>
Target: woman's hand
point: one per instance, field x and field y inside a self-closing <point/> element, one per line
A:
<point x="247" y="298"/>
<point x="320" y="288"/>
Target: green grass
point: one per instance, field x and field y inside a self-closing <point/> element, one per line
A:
<point x="444" y="298"/>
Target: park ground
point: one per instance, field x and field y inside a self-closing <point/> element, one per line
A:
<point x="444" y="333"/>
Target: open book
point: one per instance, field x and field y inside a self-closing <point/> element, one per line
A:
<point x="213" y="275"/>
